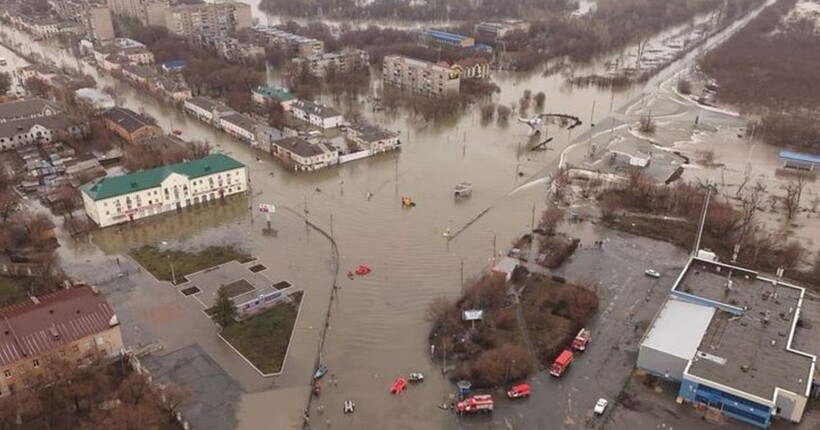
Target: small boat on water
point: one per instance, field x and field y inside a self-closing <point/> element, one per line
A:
<point x="398" y="386"/>
<point x="320" y="371"/>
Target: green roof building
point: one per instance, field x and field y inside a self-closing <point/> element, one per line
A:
<point x="112" y="200"/>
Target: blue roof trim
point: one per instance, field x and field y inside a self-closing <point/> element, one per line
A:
<point x="798" y="156"/>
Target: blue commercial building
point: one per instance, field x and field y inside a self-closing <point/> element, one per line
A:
<point x="174" y="66"/>
<point x="449" y="39"/>
<point x="727" y="334"/>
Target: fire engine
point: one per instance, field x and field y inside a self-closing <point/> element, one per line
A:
<point x="581" y="340"/>
<point x="475" y="404"/>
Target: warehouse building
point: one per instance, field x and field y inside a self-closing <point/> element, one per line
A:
<point x="727" y="334"/>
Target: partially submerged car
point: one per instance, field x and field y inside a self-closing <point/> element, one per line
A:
<point x="652" y="273"/>
<point x="600" y="407"/>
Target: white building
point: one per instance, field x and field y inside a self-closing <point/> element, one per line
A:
<point x="239" y="126"/>
<point x="114" y="200"/>
<point x="14" y="134"/>
<point x="302" y="155"/>
<point x="95" y="99"/>
<point x="321" y="116"/>
<point x="372" y="138"/>
<point x="207" y="109"/>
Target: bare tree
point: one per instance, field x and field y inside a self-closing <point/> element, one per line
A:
<point x="750" y="203"/>
<point x="199" y="148"/>
<point x="550" y="220"/>
<point x="646" y="124"/>
<point x="793" y="191"/>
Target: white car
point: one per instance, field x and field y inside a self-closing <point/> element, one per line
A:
<point x="600" y="407"/>
<point x="652" y="273"/>
<point x="349" y="406"/>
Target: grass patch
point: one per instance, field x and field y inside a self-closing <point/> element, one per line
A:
<point x="263" y="339"/>
<point x="159" y="262"/>
<point x="554" y="312"/>
<point x="14" y="289"/>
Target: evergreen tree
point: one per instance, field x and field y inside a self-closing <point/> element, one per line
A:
<point x="225" y="309"/>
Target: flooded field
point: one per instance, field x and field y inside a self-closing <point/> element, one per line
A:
<point x="377" y="325"/>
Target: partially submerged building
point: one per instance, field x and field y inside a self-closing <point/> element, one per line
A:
<point x="727" y="335"/>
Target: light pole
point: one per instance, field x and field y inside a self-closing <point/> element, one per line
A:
<point x="173" y="273"/>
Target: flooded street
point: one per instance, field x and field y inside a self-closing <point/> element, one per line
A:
<point x="377" y="325"/>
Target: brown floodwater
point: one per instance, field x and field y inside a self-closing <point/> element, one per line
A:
<point x="377" y="327"/>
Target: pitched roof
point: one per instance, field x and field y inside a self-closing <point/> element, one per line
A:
<point x="310" y="107"/>
<point x="127" y="119"/>
<point x="37" y="326"/>
<point x="108" y="187"/>
<point x="372" y="133"/>
<point x="26" y="108"/>
<point x="241" y="121"/>
<point x="57" y="122"/>
<point x="300" y="146"/>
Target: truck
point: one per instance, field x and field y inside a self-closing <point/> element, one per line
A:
<point x="519" y="391"/>
<point x="561" y="363"/>
<point x="581" y="340"/>
<point x="475" y="404"/>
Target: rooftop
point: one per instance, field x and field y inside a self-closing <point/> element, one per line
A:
<point x="678" y="328"/>
<point x="278" y="93"/>
<point x="415" y="62"/>
<point x="53" y="122"/>
<point x="799" y="156"/>
<point x="242" y="121"/>
<point x="310" y="107"/>
<point x="27" y="107"/>
<point x="128" y="119"/>
<point x="208" y="104"/>
<point x="747" y="345"/>
<point x="300" y="147"/>
<point x="36" y="326"/>
<point x="371" y="133"/>
<point x="108" y="187"/>
<point x="438" y="34"/>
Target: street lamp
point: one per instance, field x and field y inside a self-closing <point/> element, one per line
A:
<point x="173" y="273"/>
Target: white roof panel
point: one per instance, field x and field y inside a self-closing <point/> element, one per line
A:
<point x="679" y="328"/>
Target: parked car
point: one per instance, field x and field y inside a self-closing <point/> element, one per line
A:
<point x="600" y="407"/>
<point x="652" y="273"/>
<point x="349" y="407"/>
<point x="415" y="377"/>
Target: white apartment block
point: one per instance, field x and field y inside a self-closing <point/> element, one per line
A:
<point x="119" y="199"/>
<point x="418" y="76"/>
<point x="321" y="116"/>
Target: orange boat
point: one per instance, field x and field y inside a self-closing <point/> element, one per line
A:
<point x="398" y="386"/>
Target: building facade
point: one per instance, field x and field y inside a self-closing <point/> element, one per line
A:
<point x="240" y="126"/>
<point x="303" y="156"/>
<point x="319" y="115"/>
<point x="293" y="44"/>
<point x="473" y="68"/>
<point x="119" y="199"/>
<point x="148" y="12"/>
<point x="129" y="125"/>
<point x="208" y="19"/>
<point x="372" y="138"/>
<point x="14" y="134"/>
<point x="264" y="94"/>
<point x="75" y="325"/>
<point x="98" y="24"/>
<point x="207" y="110"/>
<point x="27" y="108"/>
<point x="321" y="65"/>
<point x="501" y="29"/>
<point x="418" y="76"/>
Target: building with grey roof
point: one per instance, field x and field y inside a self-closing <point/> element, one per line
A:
<point x="27" y="108"/>
<point x="727" y="333"/>
<point x="14" y="134"/>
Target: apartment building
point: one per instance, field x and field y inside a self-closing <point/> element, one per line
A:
<point x="321" y="65"/>
<point x="119" y="199"/>
<point x="321" y="116"/>
<point x="148" y="12"/>
<point x="17" y="133"/>
<point x="293" y="44"/>
<point x="208" y="19"/>
<point x="239" y="126"/>
<point x="207" y="109"/>
<point x="420" y="76"/>
<point x="98" y="24"/>
<point x="75" y="325"/>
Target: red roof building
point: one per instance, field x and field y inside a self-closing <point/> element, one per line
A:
<point x="77" y="325"/>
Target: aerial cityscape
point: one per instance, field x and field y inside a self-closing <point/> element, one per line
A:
<point x="409" y="214"/>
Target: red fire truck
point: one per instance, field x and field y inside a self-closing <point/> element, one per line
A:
<point x="561" y="363"/>
<point x="581" y="340"/>
<point x="475" y="404"/>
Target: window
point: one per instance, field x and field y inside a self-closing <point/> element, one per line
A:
<point x="35" y="363"/>
<point x="7" y="373"/>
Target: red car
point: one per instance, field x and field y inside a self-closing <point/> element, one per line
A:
<point x="398" y="386"/>
<point x="519" y="391"/>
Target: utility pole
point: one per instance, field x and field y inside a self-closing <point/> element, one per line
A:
<point x="494" y="249"/>
<point x="331" y="226"/>
<point x="702" y="219"/>
<point x="462" y="276"/>
<point x="532" y="223"/>
<point x="591" y="129"/>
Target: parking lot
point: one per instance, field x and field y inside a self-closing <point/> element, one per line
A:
<point x="628" y="301"/>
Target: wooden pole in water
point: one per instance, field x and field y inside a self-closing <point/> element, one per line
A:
<point x="532" y="224"/>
